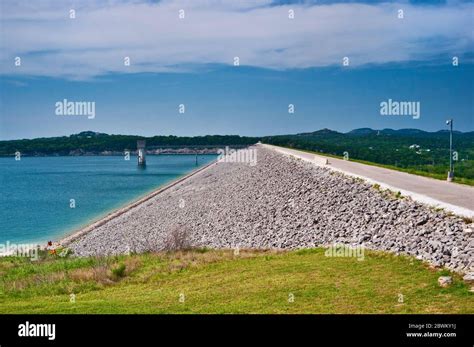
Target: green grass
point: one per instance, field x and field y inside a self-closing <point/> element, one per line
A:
<point x="410" y="170"/>
<point x="222" y="282"/>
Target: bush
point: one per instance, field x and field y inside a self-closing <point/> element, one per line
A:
<point x="119" y="271"/>
<point x="177" y="240"/>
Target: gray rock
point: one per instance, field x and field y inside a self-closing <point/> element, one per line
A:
<point x="445" y="281"/>
<point x="469" y="277"/>
<point x="285" y="203"/>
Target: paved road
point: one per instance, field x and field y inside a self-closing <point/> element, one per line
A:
<point x="454" y="197"/>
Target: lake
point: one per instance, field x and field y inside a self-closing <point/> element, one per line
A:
<point x="36" y="193"/>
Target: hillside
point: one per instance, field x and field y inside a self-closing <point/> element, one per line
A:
<point x="223" y="281"/>
<point x="94" y="143"/>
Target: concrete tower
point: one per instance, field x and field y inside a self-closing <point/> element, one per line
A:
<point x="141" y="152"/>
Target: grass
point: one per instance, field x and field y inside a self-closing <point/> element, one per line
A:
<point x="413" y="171"/>
<point x="219" y="281"/>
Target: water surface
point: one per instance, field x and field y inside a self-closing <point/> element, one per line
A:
<point x="36" y="192"/>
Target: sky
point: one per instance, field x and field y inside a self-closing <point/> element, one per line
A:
<point x="191" y="61"/>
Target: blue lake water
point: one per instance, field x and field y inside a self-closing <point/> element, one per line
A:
<point x="36" y="191"/>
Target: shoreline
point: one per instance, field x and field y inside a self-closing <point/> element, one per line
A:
<point x="96" y="222"/>
<point x="265" y="207"/>
<point x="76" y="234"/>
<point x="114" y="154"/>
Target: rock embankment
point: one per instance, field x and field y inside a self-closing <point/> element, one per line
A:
<point x="282" y="202"/>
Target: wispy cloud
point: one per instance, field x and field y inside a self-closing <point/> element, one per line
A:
<point x="259" y="32"/>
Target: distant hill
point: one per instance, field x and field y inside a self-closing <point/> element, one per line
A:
<point x="88" y="134"/>
<point x="321" y="133"/>
<point x="93" y="143"/>
<point x="400" y="132"/>
<point x="364" y="142"/>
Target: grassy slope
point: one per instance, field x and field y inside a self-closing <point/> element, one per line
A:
<point x="460" y="180"/>
<point x="221" y="282"/>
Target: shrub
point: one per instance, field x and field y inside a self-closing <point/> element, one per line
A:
<point x="177" y="240"/>
<point x="119" y="271"/>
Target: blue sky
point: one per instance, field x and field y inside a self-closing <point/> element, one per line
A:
<point x="190" y="62"/>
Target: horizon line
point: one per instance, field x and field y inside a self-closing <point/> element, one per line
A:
<point x="192" y="136"/>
